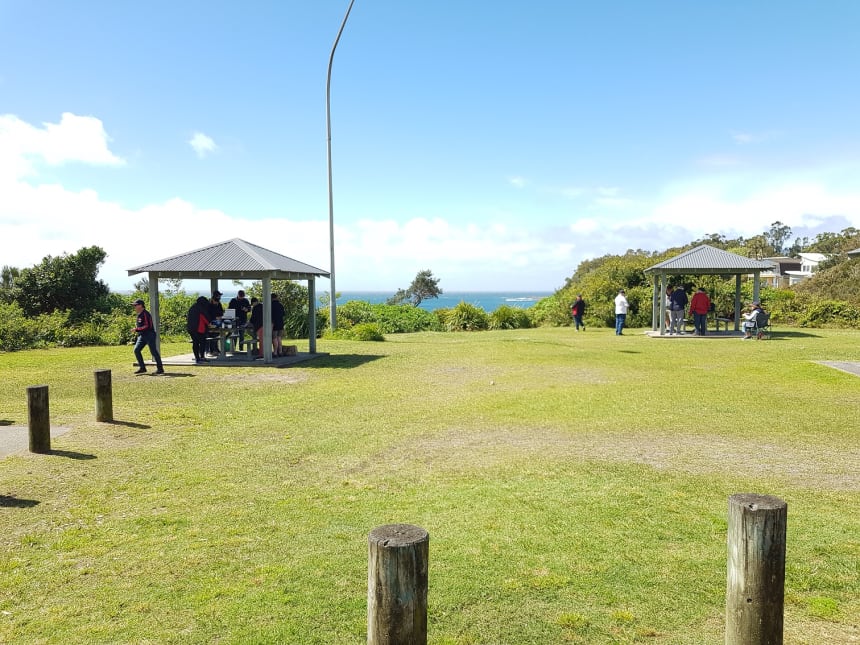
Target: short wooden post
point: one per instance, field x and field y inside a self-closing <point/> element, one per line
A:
<point x="39" y="419"/>
<point x="104" y="396"/>
<point x="397" y="585"/>
<point x="755" y="587"/>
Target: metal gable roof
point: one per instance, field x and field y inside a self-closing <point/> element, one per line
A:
<point x="231" y="258"/>
<point x="707" y="259"/>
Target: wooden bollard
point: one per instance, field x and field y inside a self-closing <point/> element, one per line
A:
<point x="397" y="585"/>
<point x="104" y="396"/>
<point x="39" y="419"/>
<point x="755" y="588"/>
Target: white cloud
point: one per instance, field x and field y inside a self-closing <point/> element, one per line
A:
<point x="517" y="182"/>
<point x="39" y="218"/>
<point x="74" y="139"/>
<point x="202" y="144"/>
<point x="747" y="138"/>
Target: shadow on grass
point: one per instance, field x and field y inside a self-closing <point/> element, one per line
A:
<point x="174" y="375"/>
<point x="628" y="351"/>
<point x="14" y="502"/>
<point x="82" y="456"/>
<point x="5" y="422"/>
<point x="788" y="335"/>
<point x="340" y="360"/>
<point x="128" y="424"/>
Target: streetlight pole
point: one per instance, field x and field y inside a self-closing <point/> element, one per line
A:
<point x="333" y="294"/>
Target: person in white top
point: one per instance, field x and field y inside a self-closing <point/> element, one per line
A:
<point x="621" y="307"/>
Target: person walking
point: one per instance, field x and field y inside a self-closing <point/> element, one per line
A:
<point x="577" y="309"/>
<point x="678" y="306"/>
<point x="146" y="337"/>
<point x="621" y="307"/>
<point x="700" y="305"/>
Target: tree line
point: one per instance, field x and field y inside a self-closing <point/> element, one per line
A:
<point x="61" y="301"/>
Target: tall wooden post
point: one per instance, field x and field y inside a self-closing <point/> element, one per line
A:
<point x="755" y="585"/>
<point x="39" y="419"/>
<point x="397" y="585"/>
<point x="104" y="396"/>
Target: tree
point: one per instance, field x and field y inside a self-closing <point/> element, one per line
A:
<point x="423" y="287"/>
<point x="65" y="283"/>
<point x="778" y="236"/>
<point x="8" y="278"/>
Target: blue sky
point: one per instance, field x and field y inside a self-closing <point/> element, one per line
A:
<point x="496" y="144"/>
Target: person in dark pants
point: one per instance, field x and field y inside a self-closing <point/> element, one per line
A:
<point x="278" y="314"/>
<point x="242" y="308"/>
<point x="577" y="309"/>
<point x="700" y="305"/>
<point x="146" y="336"/>
<point x="216" y="312"/>
<point x="197" y="326"/>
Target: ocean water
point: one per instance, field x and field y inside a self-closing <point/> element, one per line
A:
<point x="489" y="301"/>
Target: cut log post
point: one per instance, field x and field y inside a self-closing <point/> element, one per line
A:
<point x="397" y="585"/>
<point x="39" y="419"/>
<point x="755" y="588"/>
<point x="104" y="396"/>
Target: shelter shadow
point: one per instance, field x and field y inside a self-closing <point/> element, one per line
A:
<point x="14" y="502"/>
<point x="341" y="360"/>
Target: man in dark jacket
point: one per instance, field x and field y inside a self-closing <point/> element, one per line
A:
<point x="197" y="326"/>
<point x="677" y="306"/>
<point x="216" y="312"/>
<point x="146" y="337"/>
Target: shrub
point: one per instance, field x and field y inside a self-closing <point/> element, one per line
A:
<point x="466" y="317"/>
<point x="361" y="331"/>
<point x="507" y="317"/>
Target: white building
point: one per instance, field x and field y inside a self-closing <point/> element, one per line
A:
<point x="808" y="265"/>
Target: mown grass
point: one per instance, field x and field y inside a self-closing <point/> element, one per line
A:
<point x="574" y="487"/>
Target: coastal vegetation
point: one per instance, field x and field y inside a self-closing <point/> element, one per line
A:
<point x="60" y="302"/>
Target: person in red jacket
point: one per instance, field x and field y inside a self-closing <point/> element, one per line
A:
<point x="700" y="305"/>
<point x="146" y="336"/>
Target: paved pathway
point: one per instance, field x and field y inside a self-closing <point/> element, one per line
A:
<point x="14" y="439"/>
<point x="846" y="366"/>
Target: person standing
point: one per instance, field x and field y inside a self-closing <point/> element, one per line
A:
<point x="700" y="305"/>
<point x="257" y="323"/>
<point x="621" y="307"/>
<point x="242" y="308"/>
<point x="668" y="305"/>
<point x="678" y="307"/>
<point x="578" y="309"/>
<point x="278" y="314"/>
<point x="216" y="314"/>
<point x="197" y="326"/>
<point x="146" y="337"/>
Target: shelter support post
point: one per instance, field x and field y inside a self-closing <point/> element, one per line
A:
<point x="312" y="317"/>
<point x="737" y="301"/>
<point x="267" y="320"/>
<point x="154" y="309"/>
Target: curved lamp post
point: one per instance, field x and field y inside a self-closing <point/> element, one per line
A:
<point x="333" y="295"/>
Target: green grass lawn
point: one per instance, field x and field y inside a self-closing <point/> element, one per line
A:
<point x="575" y="488"/>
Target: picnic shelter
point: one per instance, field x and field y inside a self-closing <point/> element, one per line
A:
<point x="236" y="260"/>
<point x="703" y="260"/>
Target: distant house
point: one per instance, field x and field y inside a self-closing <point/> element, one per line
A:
<point x="808" y="265"/>
<point x="854" y="254"/>
<point x="778" y="277"/>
